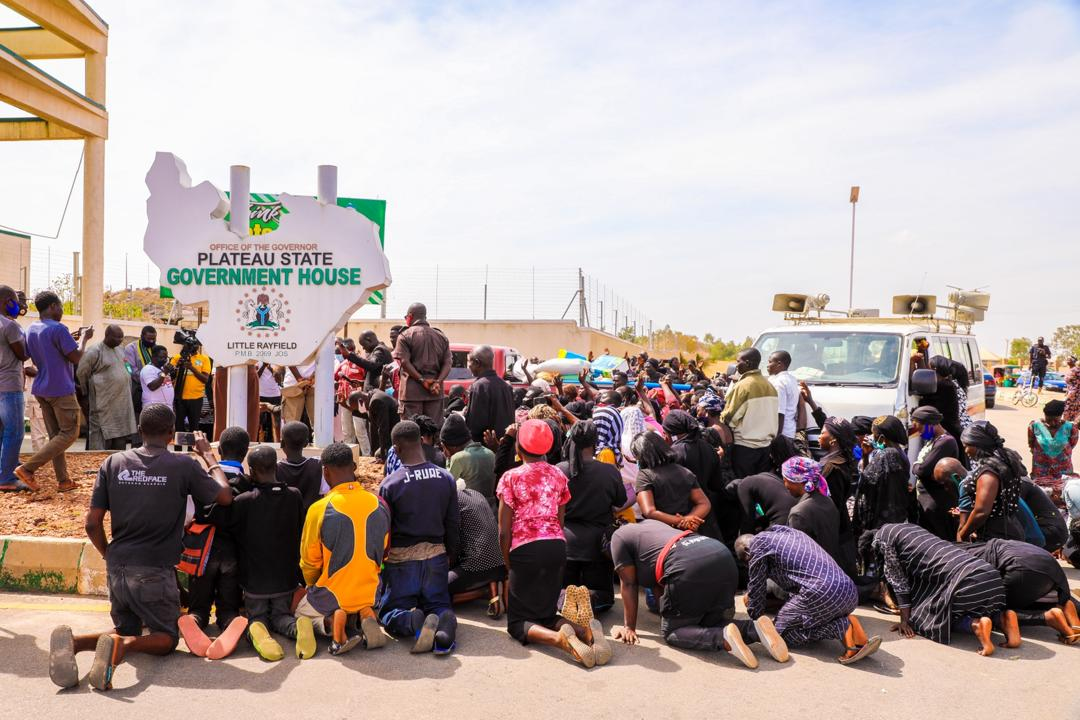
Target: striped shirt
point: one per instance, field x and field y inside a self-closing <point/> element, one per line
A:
<point x="752" y="410"/>
<point x="931" y="576"/>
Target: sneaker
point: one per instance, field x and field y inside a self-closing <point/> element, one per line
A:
<point x="773" y="642"/>
<point x="735" y="645"/>
<point x="580" y="651"/>
<point x="374" y="637"/>
<point x="63" y="670"/>
<point x="425" y="636"/>
<point x="305" y="638"/>
<point x="105" y="662"/>
<point x="601" y="647"/>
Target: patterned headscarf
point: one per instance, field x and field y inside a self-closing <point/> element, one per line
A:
<point x="804" y="470"/>
<point x="710" y="402"/>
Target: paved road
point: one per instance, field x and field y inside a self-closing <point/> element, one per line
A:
<point x="491" y="676"/>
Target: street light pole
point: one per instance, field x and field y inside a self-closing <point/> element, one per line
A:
<point x="851" y="264"/>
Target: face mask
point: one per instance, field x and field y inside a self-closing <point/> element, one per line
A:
<point x="12" y="308"/>
<point x="337" y="357"/>
<point x="928" y="433"/>
<point x="857" y="452"/>
<point x="879" y="444"/>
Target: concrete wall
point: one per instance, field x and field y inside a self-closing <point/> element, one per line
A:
<point x="14" y="261"/>
<point x="534" y="338"/>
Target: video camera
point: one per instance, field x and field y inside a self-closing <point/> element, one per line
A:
<point x="189" y="344"/>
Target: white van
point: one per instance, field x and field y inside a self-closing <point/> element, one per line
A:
<point x="863" y="368"/>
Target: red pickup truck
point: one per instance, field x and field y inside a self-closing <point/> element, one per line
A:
<point x="505" y="359"/>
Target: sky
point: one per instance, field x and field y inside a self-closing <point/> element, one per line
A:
<point x="695" y="157"/>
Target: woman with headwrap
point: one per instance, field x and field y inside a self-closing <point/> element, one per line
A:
<point x="1072" y="390"/>
<point x="935" y="500"/>
<point x="694" y="453"/>
<point x="945" y="398"/>
<point x="994" y="482"/>
<point x="882" y="496"/>
<point x="429" y="439"/>
<point x="1052" y="441"/>
<point x="668" y="492"/>
<point x="596" y="490"/>
<point x="814" y="512"/>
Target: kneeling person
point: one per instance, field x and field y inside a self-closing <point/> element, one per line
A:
<point x="821" y="595"/>
<point x="695" y="577"/>
<point x="344" y="538"/>
<point x="145" y="490"/>
<point x="424" y="534"/>
<point x="266" y="523"/>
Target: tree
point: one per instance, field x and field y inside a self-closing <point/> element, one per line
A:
<point x="1066" y="340"/>
<point x="1018" y="349"/>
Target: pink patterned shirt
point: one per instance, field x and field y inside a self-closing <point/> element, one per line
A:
<point x="535" y="492"/>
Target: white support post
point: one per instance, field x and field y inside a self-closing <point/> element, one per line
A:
<point x="324" y="365"/>
<point x="236" y="413"/>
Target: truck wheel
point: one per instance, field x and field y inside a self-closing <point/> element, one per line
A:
<point x="990" y="403"/>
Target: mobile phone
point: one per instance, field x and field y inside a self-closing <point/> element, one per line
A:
<point x="184" y="438"/>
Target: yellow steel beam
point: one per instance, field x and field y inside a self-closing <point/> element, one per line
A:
<point x="34" y="129"/>
<point x="35" y="43"/>
<point x="72" y="20"/>
<point x="28" y="88"/>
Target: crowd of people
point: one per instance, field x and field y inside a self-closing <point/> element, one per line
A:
<point x="540" y="496"/>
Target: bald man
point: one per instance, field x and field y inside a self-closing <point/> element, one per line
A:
<point x="104" y="378"/>
<point x="424" y="355"/>
<point x="491" y="399"/>
<point x="937" y="497"/>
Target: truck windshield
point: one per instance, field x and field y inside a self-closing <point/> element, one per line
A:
<point x="837" y="357"/>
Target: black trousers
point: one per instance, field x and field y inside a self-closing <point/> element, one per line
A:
<point x="189" y="411"/>
<point x="461" y="580"/>
<point x="747" y="461"/>
<point x="382" y="417"/>
<point x="219" y="585"/>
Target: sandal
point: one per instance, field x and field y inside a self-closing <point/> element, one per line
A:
<point x="863" y="651"/>
<point x="495" y="608"/>
<point x="67" y="486"/>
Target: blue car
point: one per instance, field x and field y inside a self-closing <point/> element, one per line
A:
<point x="1054" y="381"/>
<point x="989" y="390"/>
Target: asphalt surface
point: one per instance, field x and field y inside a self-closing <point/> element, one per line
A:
<point x="491" y="676"/>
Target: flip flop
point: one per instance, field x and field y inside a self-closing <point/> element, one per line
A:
<point x="196" y="640"/>
<point x="374" y="637"/>
<point x="425" y="636"/>
<point x="225" y="643"/>
<point x="268" y="648"/>
<point x="578" y="650"/>
<point x="864" y="651"/>
<point x="739" y="648"/>
<point x="772" y="640"/>
<point x="101" y="672"/>
<point x="305" y="638"/>
<point x="63" y="670"/>
<point x="601" y="647"/>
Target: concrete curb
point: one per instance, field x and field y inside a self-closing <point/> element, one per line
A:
<point x="52" y="565"/>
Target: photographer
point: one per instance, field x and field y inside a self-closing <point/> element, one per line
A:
<point x="192" y="374"/>
<point x="157" y="378"/>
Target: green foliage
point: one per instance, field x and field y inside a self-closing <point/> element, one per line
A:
<point x="1018" y="349"/>
<point x="1066" y="340"/>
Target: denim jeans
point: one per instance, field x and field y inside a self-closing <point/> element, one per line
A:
<point x="414" y="584"/>
<point x="12" y="429"/>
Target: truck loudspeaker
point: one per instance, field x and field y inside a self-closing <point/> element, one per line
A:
<point x="914" y="304"/>
<point x="790" y="303"/>
<point x="978" y="301"/>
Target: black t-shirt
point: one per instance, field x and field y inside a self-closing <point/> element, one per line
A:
<point x="145" y="492"/>
<point x="266" y="522"/>
<point x="671" y="485"/>
<point x="305" y="476"/>
<point x="640" y="545"/>
<point x="1039" y="355"/>
<point x="597" y="489"/>
<point x="768" y="491"/>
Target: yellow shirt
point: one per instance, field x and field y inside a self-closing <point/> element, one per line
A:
<point x="193" y="389"/>
<point x="342" y="547"/>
